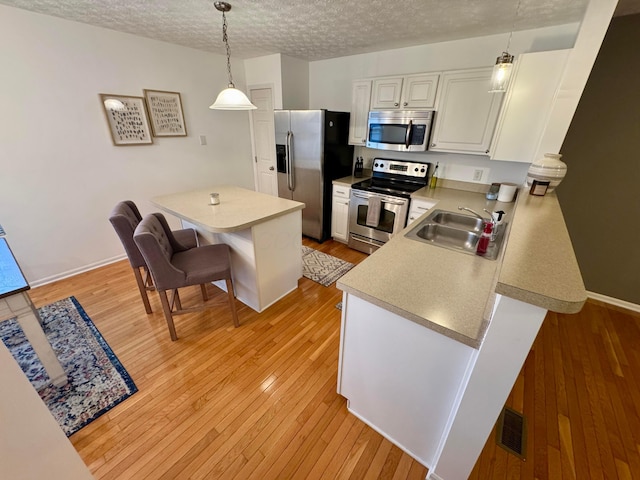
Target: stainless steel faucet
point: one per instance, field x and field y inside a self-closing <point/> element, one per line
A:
<point x="478" y="215"/>
<point x="491" y="220"/>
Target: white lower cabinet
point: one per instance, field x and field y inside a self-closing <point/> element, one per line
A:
<point x="340" y="213"/>
<point x="417" y="208"/>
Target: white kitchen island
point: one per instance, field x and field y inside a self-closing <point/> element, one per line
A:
<point x="264" y="233"/>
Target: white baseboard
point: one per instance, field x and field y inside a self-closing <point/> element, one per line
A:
<point x="76" y="271"/>
<point x="433" y="476"/>
<point x="614" y="301"/>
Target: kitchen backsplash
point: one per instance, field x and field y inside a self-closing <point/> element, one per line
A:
<point x="472" y="169"/>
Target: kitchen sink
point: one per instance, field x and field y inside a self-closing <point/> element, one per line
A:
<point x="455" y="231"/>
<point x="447" y="236"/>
<point x="457" y="220"/>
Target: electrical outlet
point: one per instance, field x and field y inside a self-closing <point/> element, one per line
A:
<point x="477" y="174"/>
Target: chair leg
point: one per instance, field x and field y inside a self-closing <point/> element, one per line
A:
<point x="232" y="303"/>
<point x="176" y="300"/>
<point x="149" y="279"/>
<point x="143" y="290"/>
<point x="167" y="314"/>
<point x="203" y="289"/>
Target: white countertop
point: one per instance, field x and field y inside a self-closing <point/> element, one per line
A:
<point x="350" y="180"/>
<point x="451" y="292"/>
<point x="238" y="209"/>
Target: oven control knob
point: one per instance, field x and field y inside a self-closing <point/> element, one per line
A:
<point x="421" y="171"/>
<point x="382" y="165"/>
<point x="376" y="165"/>
<point x="416" y="169"/>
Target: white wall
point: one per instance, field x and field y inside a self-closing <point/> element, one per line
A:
<point x="330" y="86"/>
<point x="266" y="71"/>
<point x="295" y="83"/>
<point x="60" y="174"/>
<point x="288" y="77"/>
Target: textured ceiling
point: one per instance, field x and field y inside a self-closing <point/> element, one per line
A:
<point x="315" y="29"/>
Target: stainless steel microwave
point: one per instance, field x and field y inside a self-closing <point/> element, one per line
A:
<point x="399" y="130"/>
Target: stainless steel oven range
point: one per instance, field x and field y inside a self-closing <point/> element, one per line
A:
<point x="379" y="205"/>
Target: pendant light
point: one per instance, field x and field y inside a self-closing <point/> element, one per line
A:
<point x="504" y="64"/>
<point x="230" y="98"/>
<point x="501" y="73"/>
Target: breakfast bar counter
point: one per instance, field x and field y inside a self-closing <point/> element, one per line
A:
<point x="432" y="340"/>
<point x="264" y="233"/>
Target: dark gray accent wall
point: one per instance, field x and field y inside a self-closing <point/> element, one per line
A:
<point x="600" y="196"/>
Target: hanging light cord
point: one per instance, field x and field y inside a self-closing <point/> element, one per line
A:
<point x="225" y="39"/>
<point x="513" y="26"/>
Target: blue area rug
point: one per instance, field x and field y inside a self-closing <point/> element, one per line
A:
<point x="97" y="379"/>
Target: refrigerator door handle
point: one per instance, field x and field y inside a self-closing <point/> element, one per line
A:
<point x="290" y="177"/>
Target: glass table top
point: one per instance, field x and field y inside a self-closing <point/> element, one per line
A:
<point x="11" y="278"/>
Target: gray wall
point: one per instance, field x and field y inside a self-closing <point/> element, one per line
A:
<point x="600" y="195"/>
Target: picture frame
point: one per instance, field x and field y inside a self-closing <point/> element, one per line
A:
<point x="165" y="112"/>
<point x="127" y="119"/>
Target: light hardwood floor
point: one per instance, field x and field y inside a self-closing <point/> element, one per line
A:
<point x="260" y="401"/>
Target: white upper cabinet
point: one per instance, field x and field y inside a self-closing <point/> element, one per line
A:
<point x="360" y="98"/>
<point x="386" y="93"/>
<point x="466" y="113"/>
<point x="419" y="91"/>
<point x="527" y="106"/>
<point x="408" y="92"/>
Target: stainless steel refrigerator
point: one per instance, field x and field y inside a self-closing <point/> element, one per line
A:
<point x="312" y="150"/>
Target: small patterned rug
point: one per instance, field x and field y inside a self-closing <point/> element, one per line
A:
<point x="322" y="268"/>
<point x="97" y="379"/>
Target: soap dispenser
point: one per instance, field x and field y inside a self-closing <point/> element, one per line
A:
<point x="485" y="238"/>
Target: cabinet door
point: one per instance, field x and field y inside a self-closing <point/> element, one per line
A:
<point x="340" y="213"/>
<point x="360" y="97"/>
<point x="386" y="93"/>
<point x="419" y="91"/>
<point x="467" y="113"/>
<point x="527" y="106"/>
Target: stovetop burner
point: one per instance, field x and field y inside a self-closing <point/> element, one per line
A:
<point x="395" y="177"/>
<point x="386" y="187"/>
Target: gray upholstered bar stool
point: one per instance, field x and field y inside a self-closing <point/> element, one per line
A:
<point x="125" y="217"/>
<point x="173" y="266"/>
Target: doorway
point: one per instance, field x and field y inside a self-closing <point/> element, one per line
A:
<point x="264" y="146"/>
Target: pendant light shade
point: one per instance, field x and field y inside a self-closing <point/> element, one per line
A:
<point x="501" y="73"/>
<point x="230" y="98"/>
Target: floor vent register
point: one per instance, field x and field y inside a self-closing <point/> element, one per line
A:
<point x="511" y="432"/>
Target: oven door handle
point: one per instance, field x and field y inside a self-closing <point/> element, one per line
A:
<point x="407" y="138"/>
<point x="384" y="199"/>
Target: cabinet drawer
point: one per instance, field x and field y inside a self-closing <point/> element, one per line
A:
<point x="341" y="191"/>
<point x="418" y="208"/>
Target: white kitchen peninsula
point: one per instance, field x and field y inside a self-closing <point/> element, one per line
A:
<point x="432" y="340"/>
<point x="264" y="233"/>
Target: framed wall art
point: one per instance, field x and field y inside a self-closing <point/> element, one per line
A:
<point x="127" y="119"/>
<point x="165" y="110"/>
